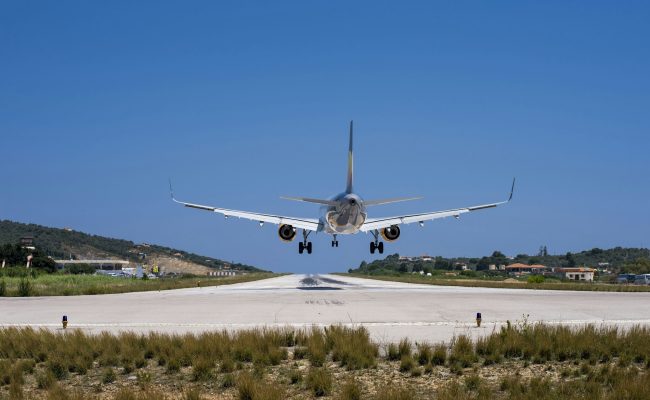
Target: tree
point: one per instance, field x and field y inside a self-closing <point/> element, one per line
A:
<point x="571" y="262"/>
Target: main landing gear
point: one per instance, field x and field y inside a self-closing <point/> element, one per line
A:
<point x="376" y="245"/>
<point x="304" y="245"/>
<point x="335" y="242"/>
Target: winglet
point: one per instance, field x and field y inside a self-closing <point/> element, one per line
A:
<point x="171" y="191"/>
<point x="512" y="189"/>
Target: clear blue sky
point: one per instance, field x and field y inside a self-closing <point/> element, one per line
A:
<point x="241" y="102"/>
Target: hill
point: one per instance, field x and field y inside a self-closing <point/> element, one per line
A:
<point x="67" y="243"/>
<point x="618" y="259"/>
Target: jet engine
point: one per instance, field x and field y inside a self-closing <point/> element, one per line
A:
<point x="287" y="232"/>
<point x="391" y="233"/>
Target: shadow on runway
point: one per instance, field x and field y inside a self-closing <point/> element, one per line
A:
<point x="318" y="288"/>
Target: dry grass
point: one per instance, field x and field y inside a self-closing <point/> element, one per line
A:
<point x="70" y="285"/>
<point x="554" y="285"/>
<point x="518" y="362"/>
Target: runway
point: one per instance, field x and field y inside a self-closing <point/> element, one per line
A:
<point x="390" y="310"/>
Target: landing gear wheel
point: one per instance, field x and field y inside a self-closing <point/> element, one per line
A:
<point x="372" y="247"/>
<point x="301" y="247"/>
<point x="380" y="247"/>
<point x="308" y="247"/>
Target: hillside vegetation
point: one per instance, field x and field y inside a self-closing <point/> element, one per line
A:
<point x="66" y="243"/>
<point x="618" y="259"/>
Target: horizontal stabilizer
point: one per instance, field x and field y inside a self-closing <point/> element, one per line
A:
<point x="310" y="200"/>
<point x="388" y="201"/>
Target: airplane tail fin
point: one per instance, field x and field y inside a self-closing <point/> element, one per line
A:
<point x="348" y="188"/>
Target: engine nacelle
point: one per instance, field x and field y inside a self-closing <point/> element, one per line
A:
<point x="391" y="233"/>
<point x="287" y="232"/>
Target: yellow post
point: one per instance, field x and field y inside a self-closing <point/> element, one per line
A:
<point x="65" y="321"/>
<point x="478" y="320"/>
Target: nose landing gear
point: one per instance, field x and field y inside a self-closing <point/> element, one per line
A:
<point x="376" y="245"/>
<point x="304" y="245"/>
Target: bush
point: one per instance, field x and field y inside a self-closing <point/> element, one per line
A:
<point x="45" y="380"/>
<point x="406" y="364"/>
<point x="392" y="353"/>
<point x="3" y="288"/>
<point x="352" y="347"/>
<point x="249" y="388"/>
<point x="404" y="348"/>
<point x="77" y="269"/>
<point x="24" y="288"/>
<point x="228" y="381"/>
<point x="395" y="393"/>
<point x="202" y="370"/>
<point x="57" y="368"/>
<point x="295" y="377"/>
<point x="425" y="354"/>
<point x="109" y="376"/>
<point x="535" y="279"/>
<point x="439" y="355"/>
<point x="351" y="390"/>
<point x="319" y="381"/>
<point x="462" y="352"/>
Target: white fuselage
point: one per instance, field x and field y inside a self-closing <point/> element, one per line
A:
<point x="344" y="218"/>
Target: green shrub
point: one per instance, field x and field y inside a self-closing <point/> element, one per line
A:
<point x="3" y="288"/>
<point x="535" y="279"/>
<point x="462" y="352"/>
<point x="299" y="353"/>
<point x="45" y="379"/>
<point x="406" y="364"/>
<point x="425" y="353"/>
<point x="319" y="381"/>
<point x="24" y="288"/>
<point x="173" y="366"/>
<point x="228" y="381"/>
<point x="395" y="393"/>
<point x="108" y="376"/>
<point x="295" y="377"/>
<point x="439" y="355"/>
<point x="351" y="390"/>
<point x="249" y="388"/>
<point x="192" y="394"/>
<point x="58" y="368"/>
<point x="352" y="348"/>
<point x="404" y="348"/>
<point x="392" y="352"/>
<point x="202" y="369"/>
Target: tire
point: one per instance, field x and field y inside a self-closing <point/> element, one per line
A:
<point x="301" y="247"/>
<point x="372" y="248"/>
<point x="308" y="247"/>
<point x="380" y="247"/>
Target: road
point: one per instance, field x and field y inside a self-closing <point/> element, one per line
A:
<point x="389" y="310"/>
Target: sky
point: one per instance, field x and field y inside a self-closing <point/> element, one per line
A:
<point x="242" y="102"/>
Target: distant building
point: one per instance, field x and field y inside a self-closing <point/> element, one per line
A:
<point x="518" y="269"/>
<point x="577" y="274"/>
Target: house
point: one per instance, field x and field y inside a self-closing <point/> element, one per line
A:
<point x="577" y="274"/>
<point x="518" y="269"/>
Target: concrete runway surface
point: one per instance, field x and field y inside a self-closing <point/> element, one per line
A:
<point x="390" y="310"/>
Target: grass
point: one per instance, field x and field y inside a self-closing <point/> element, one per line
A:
<point x="494" y="283"/>
<point x="535" y="361"/>
<point x="60" y="284"/>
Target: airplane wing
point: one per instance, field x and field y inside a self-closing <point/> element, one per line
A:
<point x="379" y="223"/>
<point x="302" y="223"/>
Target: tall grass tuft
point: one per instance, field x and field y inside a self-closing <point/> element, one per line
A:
<point x="352" y="348"/>
<point x="319" y="381"/>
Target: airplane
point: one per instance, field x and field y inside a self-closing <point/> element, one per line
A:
<point x="343" y="214"/>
